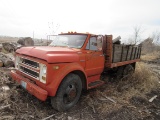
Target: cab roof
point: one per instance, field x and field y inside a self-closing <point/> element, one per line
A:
<point x="75" y="33"/>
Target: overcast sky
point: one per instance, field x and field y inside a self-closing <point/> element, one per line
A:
<point x="22" y="18"/>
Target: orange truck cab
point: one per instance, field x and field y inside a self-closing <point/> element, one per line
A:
<point x="72" y="62"/>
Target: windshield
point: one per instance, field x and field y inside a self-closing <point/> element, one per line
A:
<point x="75" y="41"/>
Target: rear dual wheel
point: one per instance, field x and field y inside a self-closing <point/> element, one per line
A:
<point x="124" y="71"/>
<point x="128" y="70"/>
<point x="68" y="93"/>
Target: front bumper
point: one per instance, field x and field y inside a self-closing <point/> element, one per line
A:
<point x="30" y="87"/>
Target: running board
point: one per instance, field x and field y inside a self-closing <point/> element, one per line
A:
<point x="95" y="84"/>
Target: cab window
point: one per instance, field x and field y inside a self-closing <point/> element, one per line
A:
<point x="92" y="44"/>
<point x="95" y="43"/>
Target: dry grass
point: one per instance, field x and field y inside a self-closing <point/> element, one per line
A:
<point x="146" y="77"/>
<point x="151" y="56"/>
<point x="142" y="80"/>
<point x="138" y="84"/>
<point x="8" y="39"/>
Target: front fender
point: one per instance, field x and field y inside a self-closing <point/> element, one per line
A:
<point x="57" y="78"/>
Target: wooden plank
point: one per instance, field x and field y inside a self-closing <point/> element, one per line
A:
<point x="129" y="53"/>
<point x="125" y="52"/>
<point x="136" y="52"/>
<point x="123" y="63"/>
<point x="122" y="53"/>
<point x="113" y="53"/>
<point x="133" y="53"/>
<point x="117" y="53"/>
<point x="140" y="52"/>
<point x="109" y="47"/>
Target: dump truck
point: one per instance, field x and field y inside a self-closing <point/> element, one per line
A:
<point x="71" y="63"/>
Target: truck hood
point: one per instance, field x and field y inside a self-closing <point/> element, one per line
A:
<point x="51" y="54"/>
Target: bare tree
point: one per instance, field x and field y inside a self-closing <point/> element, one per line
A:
<point x="136" y="35"/>
<point x="53" y="28"/>
<point x="156" y="37"/>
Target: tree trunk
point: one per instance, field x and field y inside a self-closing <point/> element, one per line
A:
<point x="7" y="60"/>
<point x="9" y="47"/>
<point x="27" y="41"/>
<point x="1" y="63"/>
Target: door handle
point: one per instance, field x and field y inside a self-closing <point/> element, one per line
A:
<point x="101" y="55"/>
<point x="89" y="52"/>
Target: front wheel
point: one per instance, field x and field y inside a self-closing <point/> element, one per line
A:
<point x="68" y="93"/>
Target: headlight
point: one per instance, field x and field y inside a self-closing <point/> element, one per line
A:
<point x="43" y="71"/>
<point x="17" y="61"/>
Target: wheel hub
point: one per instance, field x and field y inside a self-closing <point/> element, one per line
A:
<point x="70" y="95"/>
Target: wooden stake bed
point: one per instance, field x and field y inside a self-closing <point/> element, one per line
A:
<point x="119" y="54"/>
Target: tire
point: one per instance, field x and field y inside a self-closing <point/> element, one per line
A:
<point x="68" y="93"/>
<point x="119" y="73"/>
<point x="128" y="70"/>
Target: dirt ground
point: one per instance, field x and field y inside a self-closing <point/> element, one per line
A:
<point x="126" y="99"/>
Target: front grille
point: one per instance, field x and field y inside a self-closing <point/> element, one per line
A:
<point x="29" y="72"/>
<point x="29" y="67"/>
<point x="30" y="63"/>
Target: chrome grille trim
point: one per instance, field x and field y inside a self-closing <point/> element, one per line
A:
<point x="29" y="67"/>
<point x="30" y="62"/>
<point x="28" y="74"/>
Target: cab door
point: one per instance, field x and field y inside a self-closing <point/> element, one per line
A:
<point x="94" y="58"/>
